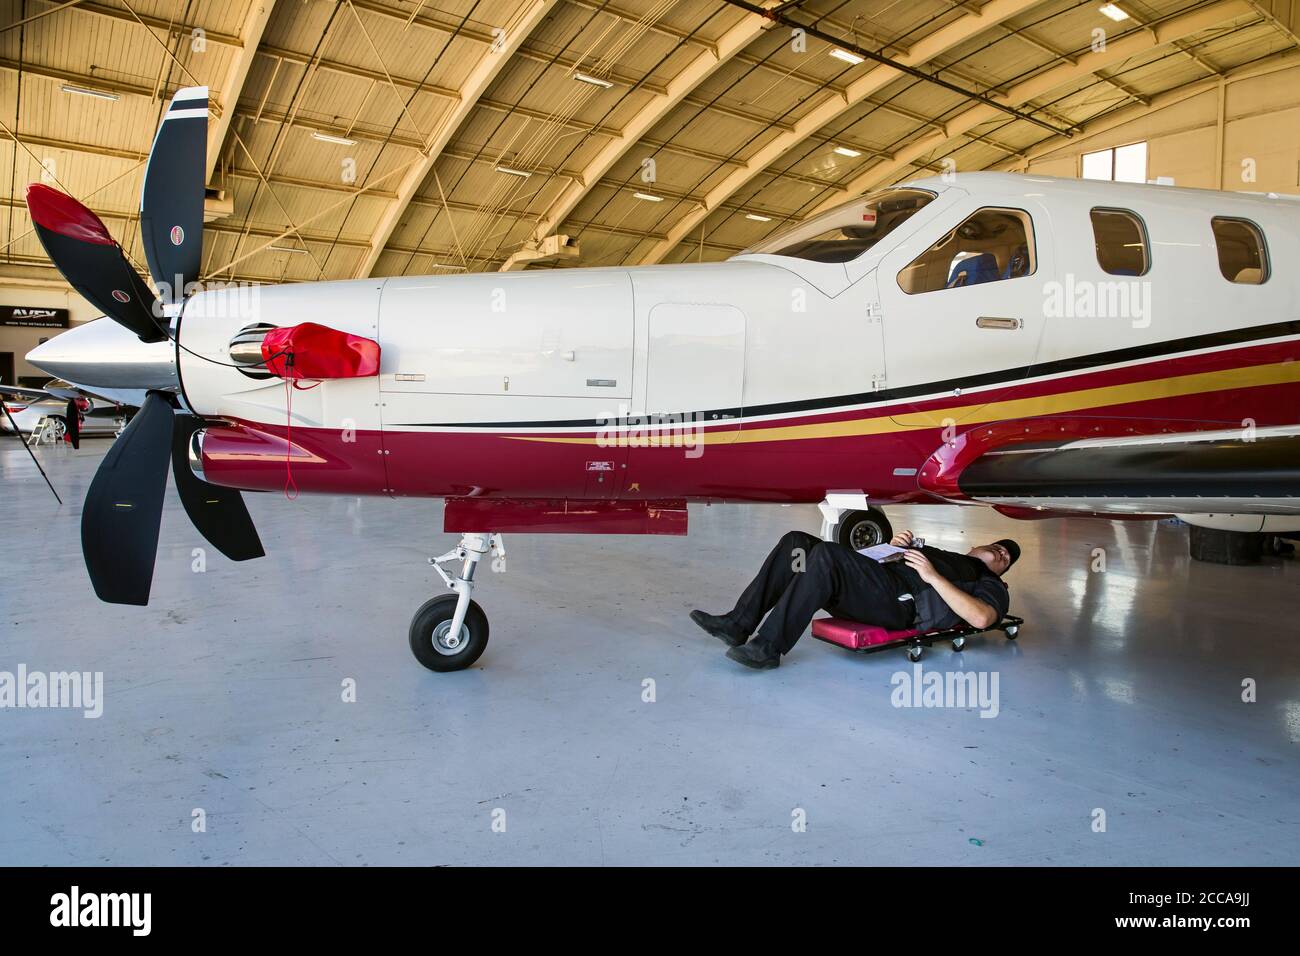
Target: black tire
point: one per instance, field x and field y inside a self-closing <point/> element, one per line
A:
<point x="437" y="657"/>
<point x="1274" y="546"/>
<point x="1225" y="547"/>
<point x="914" y="654"/>
<point x="862" y="529"/>
<point x="1012" y="632"/>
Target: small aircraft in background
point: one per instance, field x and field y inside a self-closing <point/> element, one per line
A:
<point x="1047" y="347"/>
<point x="70" y="412"/>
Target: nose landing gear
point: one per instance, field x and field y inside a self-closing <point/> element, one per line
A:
<point x="450" y="632"/>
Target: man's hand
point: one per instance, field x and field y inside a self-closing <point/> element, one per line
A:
<point x="902" y="540"/>
<point x="919" y="563"/>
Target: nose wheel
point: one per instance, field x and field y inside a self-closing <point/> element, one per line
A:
<point x="449" y="632"/>
<point x="433" y="643"/>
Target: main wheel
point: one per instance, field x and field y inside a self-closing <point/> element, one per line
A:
<point x="432" y="642"/>
<point x="1225" y="547"/>
<point x="864" y="529"/>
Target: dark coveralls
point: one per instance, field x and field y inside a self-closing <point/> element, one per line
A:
<point x="846" y="584"/>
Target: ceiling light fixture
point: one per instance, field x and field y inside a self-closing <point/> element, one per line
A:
<point x="523" y="173"/>
<point x="87" y="91"/>
<point x="757" y="218"/>
<point x="294" y="249"/>
<point x="1114" y="12"/>
<point x="593" y="80"/>
<point x="336" y="140"/>
<point x="845" y="151"/>
<point x="648" y="198"/>
<point x="846" y="56"/>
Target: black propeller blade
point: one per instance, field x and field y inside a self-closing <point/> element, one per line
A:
<point x="79" y="244"/>
<point x="123" y="509"/>
<point x="219" y="514"/>
<point x="171" y="203"/>
<point x="73" y="417"/>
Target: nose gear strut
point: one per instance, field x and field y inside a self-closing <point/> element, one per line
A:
<point x="449" y="633"/>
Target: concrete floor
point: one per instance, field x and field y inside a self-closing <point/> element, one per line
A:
<point x="225" y="694"/>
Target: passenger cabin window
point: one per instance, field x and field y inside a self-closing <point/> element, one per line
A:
<point x="991" y="245"/>
<point x="846" y="232"/>
<point x="1243" y="256"/>
<point x="1121" y="241"/>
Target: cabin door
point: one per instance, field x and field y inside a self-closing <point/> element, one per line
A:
<point x="962" y="312"/>
<point x="695" y="377"/>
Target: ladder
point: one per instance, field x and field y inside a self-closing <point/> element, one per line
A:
<point x="46" y="432"/>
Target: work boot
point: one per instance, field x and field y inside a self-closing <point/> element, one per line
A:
<point x="720" y="626"/>
<point x="755" y="655"/>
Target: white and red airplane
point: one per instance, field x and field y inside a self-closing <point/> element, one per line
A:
<point x="1044" y="346"/>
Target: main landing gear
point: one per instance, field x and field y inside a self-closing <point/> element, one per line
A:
<point x="449" y="632"/>
<point x="851" y="520"/>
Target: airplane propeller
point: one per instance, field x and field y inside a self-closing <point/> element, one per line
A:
<point x="123" y="509"/>
<point x="80" y="246"/>
<point x="72" y="416"/>
<point x="171" y="201"/>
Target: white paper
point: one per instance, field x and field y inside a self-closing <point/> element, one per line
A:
<point x="879" y="552"/>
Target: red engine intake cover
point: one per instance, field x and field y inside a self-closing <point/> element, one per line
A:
<point x="317" y="352"/>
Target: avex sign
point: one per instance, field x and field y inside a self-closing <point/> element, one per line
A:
<point x="33" y="317"/>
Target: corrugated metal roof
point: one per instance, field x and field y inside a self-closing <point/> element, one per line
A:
<point x="390" y="76"/>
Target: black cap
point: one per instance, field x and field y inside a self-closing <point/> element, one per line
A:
<point x="1011" y="547"/>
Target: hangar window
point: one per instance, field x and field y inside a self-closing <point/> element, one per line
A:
<point x="1122" y="164"/>
<point x="846" y="232"/>
<point x="991" y="245"/>
<point x="1243" y="257"/>
<point x="1121" y="240"/>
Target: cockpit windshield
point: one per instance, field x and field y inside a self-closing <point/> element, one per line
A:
<point x="847" y="231"/>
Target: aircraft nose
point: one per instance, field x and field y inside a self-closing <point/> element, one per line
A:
<point x="103" y="354"/>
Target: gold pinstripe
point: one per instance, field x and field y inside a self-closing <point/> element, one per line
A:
<point x="1276" y="373"/>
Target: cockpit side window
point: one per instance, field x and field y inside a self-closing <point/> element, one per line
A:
<point x="989" y="246"/>
<point x="846" y="232"/>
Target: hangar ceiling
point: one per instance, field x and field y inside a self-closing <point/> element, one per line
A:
<point x="394" y="137"/>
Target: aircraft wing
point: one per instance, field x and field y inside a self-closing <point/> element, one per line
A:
<point x="1254" y="472"/>
<point x="57" y="388"/>
<point x="18" y="391"/>
<point x="129" y="397"/>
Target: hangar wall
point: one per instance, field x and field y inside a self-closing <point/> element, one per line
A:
<point x="1216" y="138"/>
<point x="39" y="293"/>
<point x="1214" y="134"/>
